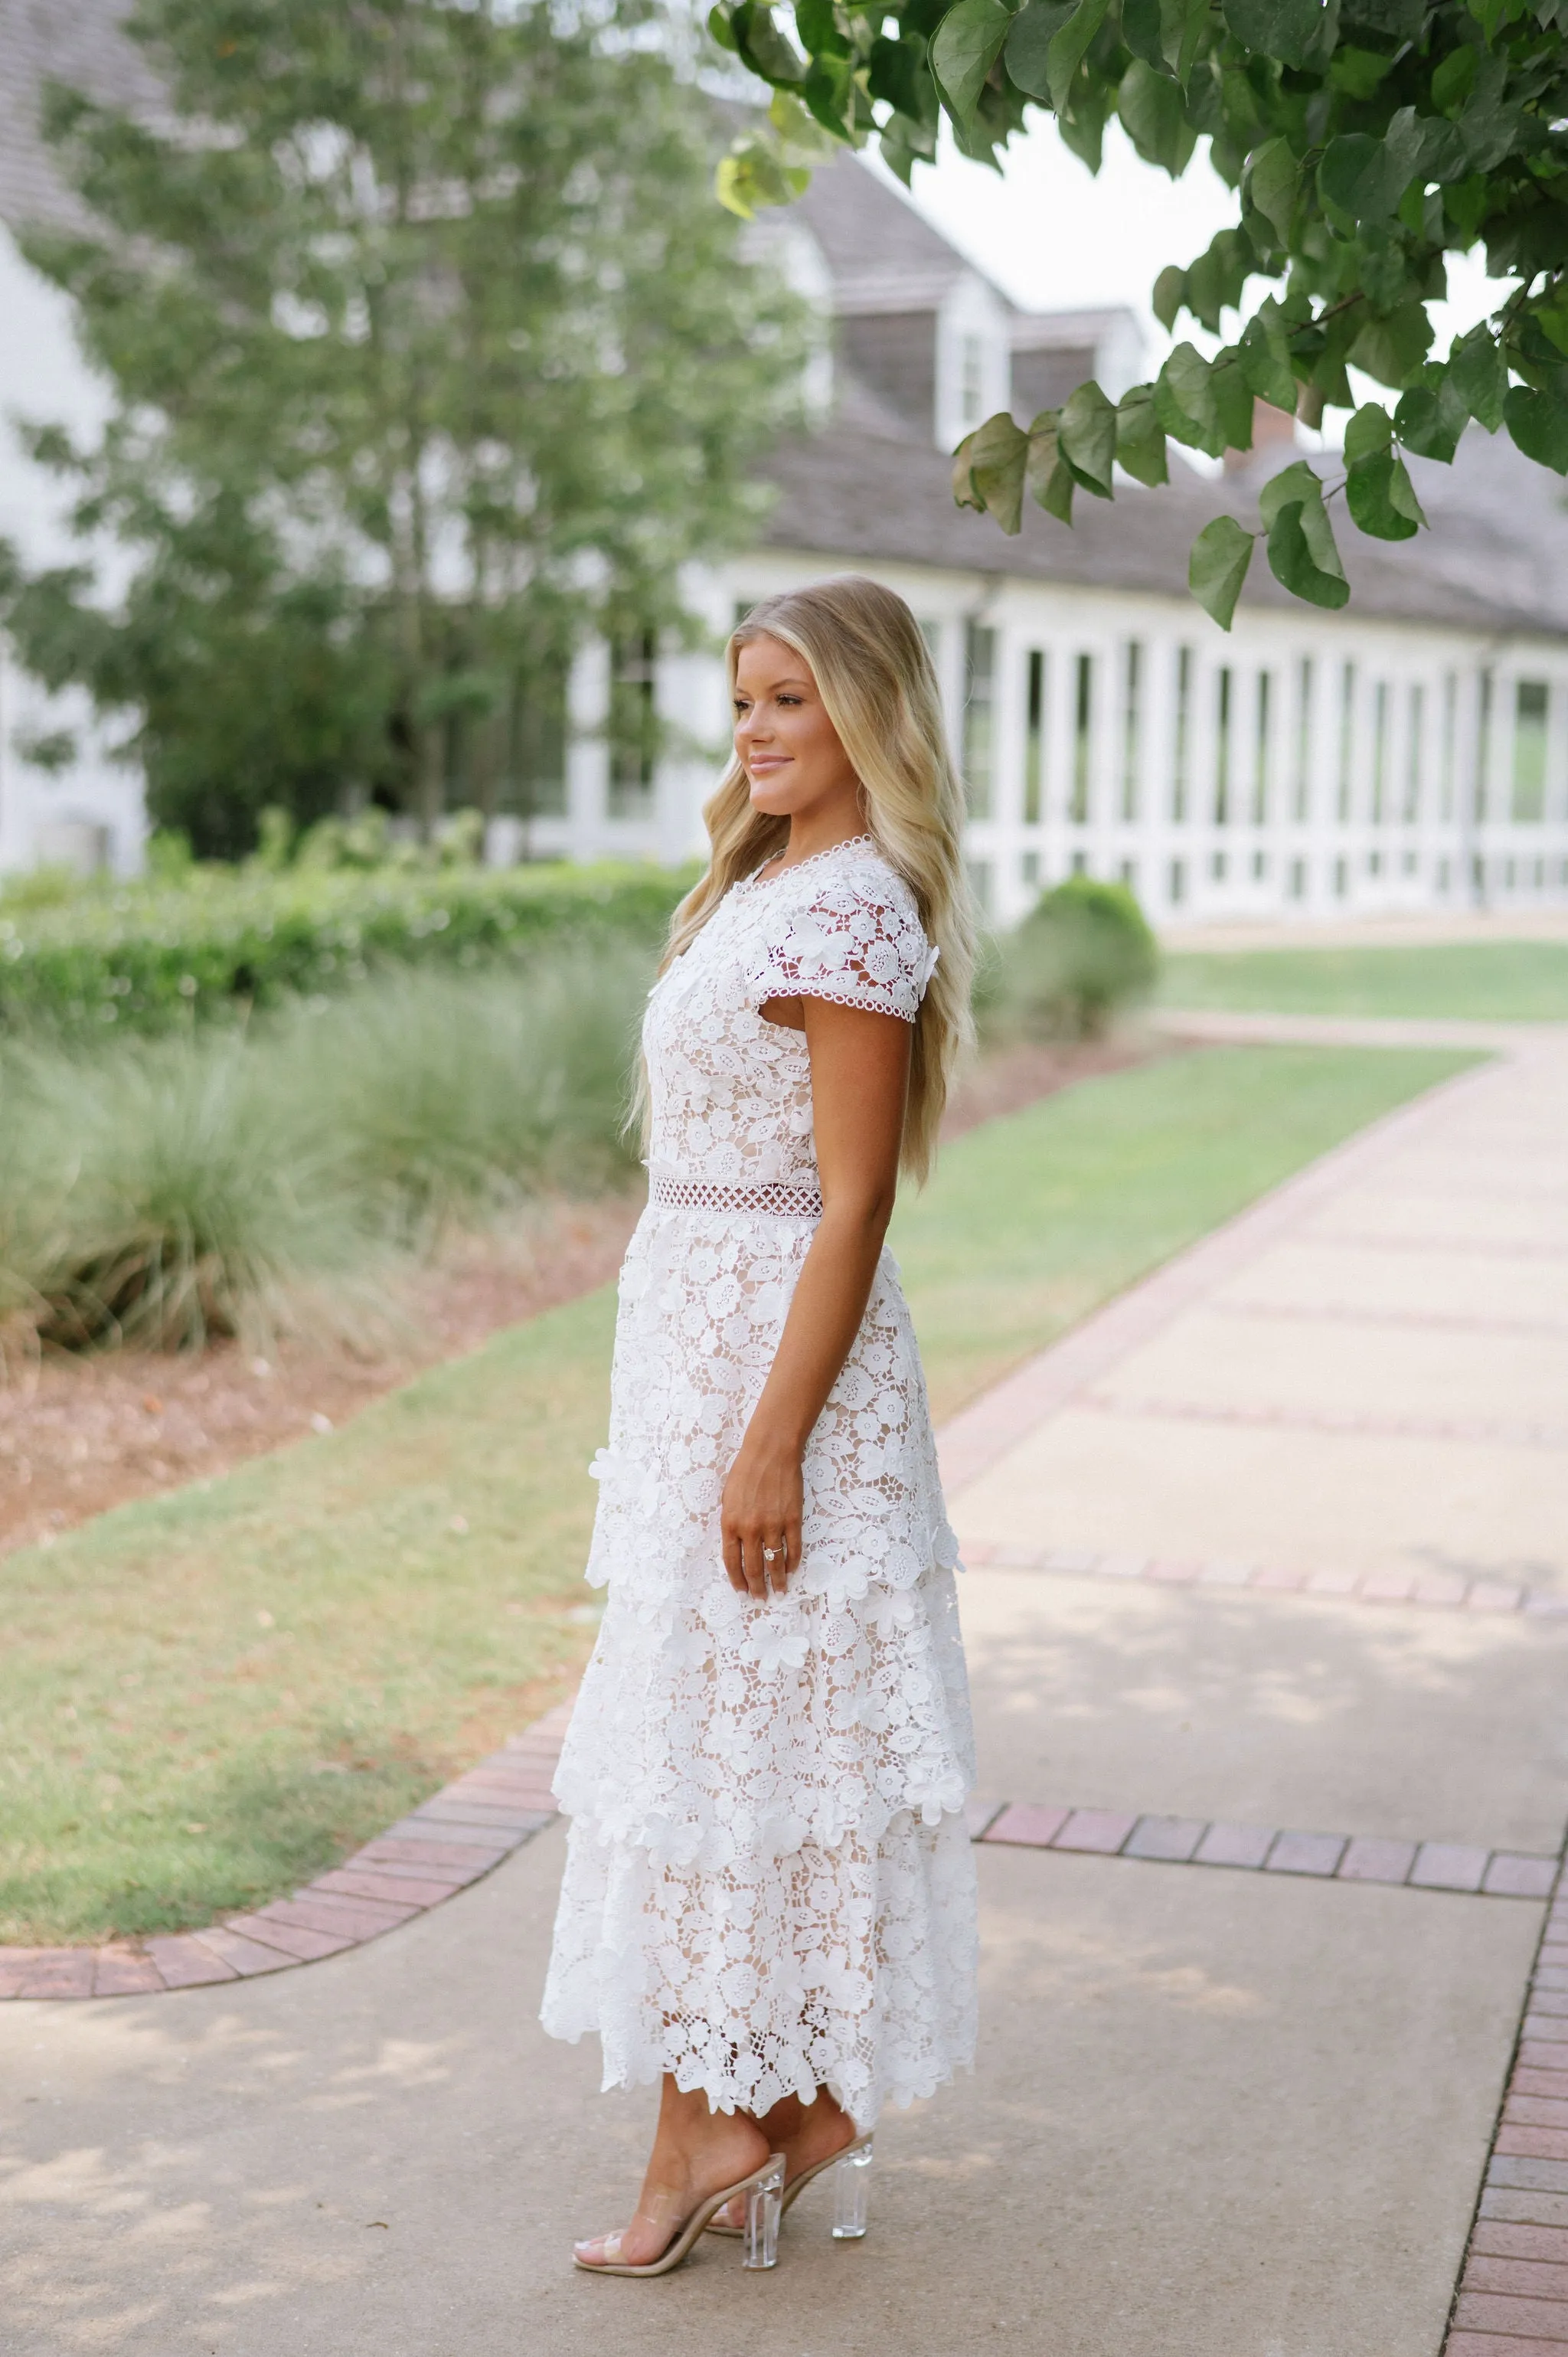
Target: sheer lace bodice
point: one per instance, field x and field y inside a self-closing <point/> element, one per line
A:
<point x="769" y="1885"/>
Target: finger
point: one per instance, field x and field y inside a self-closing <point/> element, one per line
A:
<point x="756" y="1569"/>
<point x="734" y="1564"/>
<point x="778" y="1569"/>
<point x="792" y="1542"/>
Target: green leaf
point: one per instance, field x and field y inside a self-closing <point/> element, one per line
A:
<point x="1170" y="292"/>
<point x="1217" y="568"/>
<point x="1551" y="316"/>
<point x="817" y="23"/>
<point x="1430" y="418"/>
<point x="1150" y="105"/>
<point x="1401" y="494"/>
<point x="1538" y="424"/>
<point x="1357" y="73"/>
<point x="1270" y="184"/>
<point x="1140" y="436"/>
<point x="1368" y="495"/>
<point x="1363" y="178"/>
<point x="1301" y="553"/>
<point x="988" y="471"/>
<point x="1028" y="44"/>
<point x="763" y="48"/>
<point x="1195" y="30"/>
<point x="1454" y="79"/>
<point x="1069" y="46"/>
<point x="1232" y="401"/>
<point x="1050" y="478"/>
<point x="965" y="48"/>
<point x="1143" y="30"/>
<point x="1184" y="402"/>
<point x="1284" y="30"/>
<point x="1479" y="376"/>
<point x="1086" y="435"/>
<point x="1370" y="430"/>
<point x="1392" y="349"/>
<point x="1264" y="356"/>
<point x="719" y="27"/>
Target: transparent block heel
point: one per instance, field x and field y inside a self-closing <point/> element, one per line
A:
<point x="764" y="2207"/>
<point x="851" y="2185"/>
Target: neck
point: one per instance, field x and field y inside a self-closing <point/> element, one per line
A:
<point x="819" y="829"/>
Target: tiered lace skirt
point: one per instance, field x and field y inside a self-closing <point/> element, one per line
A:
<point x="768" y="1884"/>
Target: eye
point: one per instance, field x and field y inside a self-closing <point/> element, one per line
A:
<point x="788" y="698"/>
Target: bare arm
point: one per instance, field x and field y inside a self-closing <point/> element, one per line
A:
<point x="860" y="1077"/>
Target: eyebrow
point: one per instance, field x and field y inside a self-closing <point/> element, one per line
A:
<point x="774" y="685"/>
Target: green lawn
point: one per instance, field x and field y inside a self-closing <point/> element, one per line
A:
<point x="206" y="1698"/>
<point x="1513" y="982"/>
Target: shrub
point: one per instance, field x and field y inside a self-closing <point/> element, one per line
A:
<point x="151" y="956"/>
<point x="163" y="1191"/>
<point x="1080" y="957"/>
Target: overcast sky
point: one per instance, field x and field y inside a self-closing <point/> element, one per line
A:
<point x="1054" y="236"/>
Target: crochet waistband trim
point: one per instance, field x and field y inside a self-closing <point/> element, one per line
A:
<point x="698" y="1195"/>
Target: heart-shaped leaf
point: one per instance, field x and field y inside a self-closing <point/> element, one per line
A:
<point x="1150" y="105"/>
<point x="1140" y="436"/>
<point x="1538" y="424"/>
<point x="1028" y="44"/>
<point x="1217" y="568"/>
<point x="988" y="471"/>
<point x="1285" y="29"/>
<point x="1087" y="432"/>
<point x="1368" y="494"/>
<point x="965" y="48"/>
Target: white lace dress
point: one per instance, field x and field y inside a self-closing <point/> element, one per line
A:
<point x="768" y="1886"/>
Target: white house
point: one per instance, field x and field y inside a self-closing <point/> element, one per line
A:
<point x="1410" y="752"/>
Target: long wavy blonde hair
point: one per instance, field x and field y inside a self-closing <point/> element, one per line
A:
<point x="874" y="673"/>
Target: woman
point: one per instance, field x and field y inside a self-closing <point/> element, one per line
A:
<point x="769" y="1900"/>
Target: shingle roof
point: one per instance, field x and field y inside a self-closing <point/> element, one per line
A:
<point x="869" y="497"/>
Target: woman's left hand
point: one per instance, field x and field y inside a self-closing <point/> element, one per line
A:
<point x="759" y="1515"/>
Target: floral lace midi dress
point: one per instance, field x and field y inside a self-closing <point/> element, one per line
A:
<point x="768" y="1884"/>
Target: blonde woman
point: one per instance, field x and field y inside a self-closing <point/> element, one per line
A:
<point x="769" y="1900"/>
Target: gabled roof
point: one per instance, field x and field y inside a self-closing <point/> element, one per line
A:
<point x="867" y="497"/>
<point x="881" y="253"/>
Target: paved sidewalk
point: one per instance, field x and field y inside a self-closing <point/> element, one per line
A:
<point x="1256" y="1951"/>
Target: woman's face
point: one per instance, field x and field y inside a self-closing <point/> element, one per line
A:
<point x="787" y="746"/>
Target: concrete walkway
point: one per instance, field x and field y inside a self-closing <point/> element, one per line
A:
<point x="1220" y="2111"/>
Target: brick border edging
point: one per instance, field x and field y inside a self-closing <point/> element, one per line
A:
<point x="1434" y="1591"/>
<point x="1398" y="1863"/>
<point x="1511" y="2297"/>
<point x="455" y="1837"/>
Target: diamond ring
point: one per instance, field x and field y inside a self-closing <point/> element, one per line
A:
<point x="770" y="1554"/>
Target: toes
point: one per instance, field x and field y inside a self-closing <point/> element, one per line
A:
<point x="601" y="2250"/>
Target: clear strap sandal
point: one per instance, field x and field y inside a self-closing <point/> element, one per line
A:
<point x="852" y="2188"/>
<point x="763" y="2192"/>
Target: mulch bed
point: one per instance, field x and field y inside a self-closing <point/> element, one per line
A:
<point x="80" y="1433"/>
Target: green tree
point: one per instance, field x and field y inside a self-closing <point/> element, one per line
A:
<point x="1364" y="139"/>
<point x="429" y="352"/>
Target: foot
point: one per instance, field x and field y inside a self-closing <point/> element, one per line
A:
<point x="806" y="2134"/>
<point x="695" y="2154"/>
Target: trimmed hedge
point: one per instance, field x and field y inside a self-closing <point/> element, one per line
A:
<point x="148" y="956"/>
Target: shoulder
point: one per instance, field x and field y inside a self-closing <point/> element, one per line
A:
<point x="847" y="927"/>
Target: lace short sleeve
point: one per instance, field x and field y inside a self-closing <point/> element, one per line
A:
<point x="856" y="940"/>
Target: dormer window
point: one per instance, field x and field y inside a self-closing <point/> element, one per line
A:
<point x="973" y="359"/>
<point x="971" y="382"/>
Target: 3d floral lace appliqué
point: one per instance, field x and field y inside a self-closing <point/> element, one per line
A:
<point x="769" y="1885"/>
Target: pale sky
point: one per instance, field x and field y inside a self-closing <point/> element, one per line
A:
<point x="1054" y="236"/>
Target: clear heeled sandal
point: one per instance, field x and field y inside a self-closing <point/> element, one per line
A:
<point x="763" y="2193"/>
<point x="852" y="2188"/>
